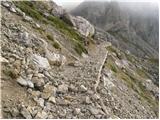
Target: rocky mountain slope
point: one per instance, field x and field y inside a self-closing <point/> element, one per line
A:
<point x="134" y="25"/>
<point x="53" y="67"/>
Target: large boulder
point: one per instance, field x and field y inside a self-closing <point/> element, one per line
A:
<point x="57" y="11"/>
<point x="40" y="62"/>
<point x="83" y="26"/>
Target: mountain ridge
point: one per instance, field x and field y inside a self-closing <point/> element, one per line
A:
<point x="137" y="20"/>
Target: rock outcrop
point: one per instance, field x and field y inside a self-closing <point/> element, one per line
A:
<point x="82" y="25"/>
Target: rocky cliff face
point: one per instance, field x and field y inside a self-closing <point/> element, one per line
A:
<point x="134" y="25"/>
<point x="51" y="68"/>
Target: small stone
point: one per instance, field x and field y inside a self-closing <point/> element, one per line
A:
<point x="30" y="84"/>
<point x="87" y="100"/>
<point x="96" y="97"/>
<point x="25" y="113"/>
<point x="3" y="60"/>
<point x="19" y="12"/>
<point x="11" y="60"/>
<point x="52" y="99"/>
<point x="63" y="102"/>
<point x="77" y="64"/>
<point x="62" y="113"/>
<point x="40" y="62"/>
<point x="22" y="81"/>
<point x="29" y="77"/>
<point x="27" y="18"/>
<point x="35" y="94"/>
<point x="37" y="25"/>
<point x="62" y="89"/>
<point x="15" y="112"/>
<point x="39" y="75"/>
<point x="12" y="9"/>
<point x="38" y="82"/>
<point x="82" y="88"/>
<point x="48" y="91"/>
<point x="40" y="102"/>
<point x="77" y="111"/>
<point x="5" y="4"/>
<point x="33" y="110"/>
<point x="72" y="88"/>
<point x="41" y="115"/>
<point x="94" y="111"/>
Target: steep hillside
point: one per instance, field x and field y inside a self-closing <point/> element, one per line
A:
<point x="54" y="65"/>
<point x="134" y="25"/>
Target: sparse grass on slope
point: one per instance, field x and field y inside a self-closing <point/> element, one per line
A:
<point x="133" y="81"/>
<point x="29" y="8"/>
<point x="54" y="43"/>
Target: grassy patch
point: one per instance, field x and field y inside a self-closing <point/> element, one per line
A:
<point x="111" y="65"/>
<point x="111" y="49"/>
<point x="74" y="37"/>
<point x="79" y="48"/>
<point x="54" y="43"/>
<point x="142" y="73"/>
<point x="30" y="9"/>
<point x="50" y="37"/>
<point x="136" y="84"/>
<point x="154" y="60"/>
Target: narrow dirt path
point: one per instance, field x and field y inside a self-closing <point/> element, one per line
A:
<point x="85" y="78"/>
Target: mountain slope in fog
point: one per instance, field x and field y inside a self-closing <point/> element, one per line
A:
<point x="134" y="25"/>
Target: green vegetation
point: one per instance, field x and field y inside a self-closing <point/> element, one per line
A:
<point x="79" y="47"/>
<point x="110" y="64"/>
<point x="154" y="60"/>
<point x="54" y="43"/>
<point x="50" y="37"/>
<point x="29" y="8"/>
<point x="133" y="81"/>
<point x="112" y="49"/>
<point x="142" y="73"/>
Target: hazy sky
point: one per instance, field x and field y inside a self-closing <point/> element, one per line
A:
<point x="70" y="4"/>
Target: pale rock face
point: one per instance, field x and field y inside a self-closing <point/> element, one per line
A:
<point x="24" y="38"/>
<point x="6" y="4"/>
<point x="38" y="82"/>
<point x="27" y="18"/>
<point x="62" y="88"/>
<point x="82" y="25"/>
<point x="25" y="113"/>
<point x="52" y="99"/>
<point x="122" y="63"/>
<point x="40" y="62"/>
<point x="55" y="59"/>
<point x="57" y="11"/>
<point x="107" y="82"/>
<point x="19" y="12"/>
<point x="24" y="82"/>
<point x="48" y="91"/>
<point x="12" y="9"/>
<point x="3" y="60"/>
<point x="41" y="115"/>
<point x="148" y="84"/>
